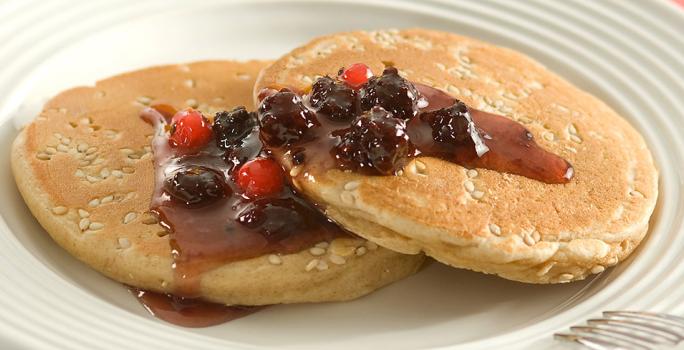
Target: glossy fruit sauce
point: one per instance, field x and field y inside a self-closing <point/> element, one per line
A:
<point x="216" y="211"/>
<point x="377" y="127"/>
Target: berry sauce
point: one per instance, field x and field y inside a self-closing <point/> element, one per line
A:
<point x="378" y="127"/>
<point x="213" y="220"/>
<point x="189" y="312"/>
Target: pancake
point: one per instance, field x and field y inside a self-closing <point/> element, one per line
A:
<point x="84" y="167"/>
<point x="483" y="220"/>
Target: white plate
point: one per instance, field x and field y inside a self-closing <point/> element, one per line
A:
<point x="628" y="53"/>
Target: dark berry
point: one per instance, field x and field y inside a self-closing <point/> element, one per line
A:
<point x="284" y="119"/>
<point x="196" y="186"/>
<point x="276" y="219"/>
<point x="190" y="130"/>
<point x="356" y="75"/>
<point x="391" y="92"/>
<point x="260" y="177"/>
<point x="453" y="125"/>
<point x="335" y="100"/>
<point x="376" y="142"/>
<point x="232" y="127"/>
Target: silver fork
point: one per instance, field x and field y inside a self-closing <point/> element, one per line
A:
<point x="628" y="330"/>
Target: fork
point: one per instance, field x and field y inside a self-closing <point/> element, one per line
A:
<point x="628" y="330"/>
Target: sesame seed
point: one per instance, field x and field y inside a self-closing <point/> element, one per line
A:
<point x="128" y="170"/>
<point x="84" y="223"/>
<point x="127" y="151"/>
<point x="129" y="217"/>
<point x="575" y="138"/>
<point x="66" y="141"/>
<point x="60" y="210"/>
<point x="58" y="136"/>
<point x="495" y="229"/>
<point x="50" y="150"/>
<point x="62" y="148"/>
<point x="91" y="178"/>
<point x="144" y="100"/>
<point x="104" y="173"/>
<point x="322" y="265"/>
<point x="295" y="170"/>
<point x="189" y="83"/>
<point x="317" y="251"/>
<point x="91" y="150"/>
<point x="337" y="260"/>
<point x="347" y="197"/>
<point x="311" y="265"/>
<point x="275" y="259"/>
<point x="191" y="102"/>
<point x="43" y="156"/>
<point x="323" y="245"/>
<point x="90" y="156"/>
<point x="400" y="172"/>
<point x="83" y="213"/>
<point x="94" y="203"/>
<point x="477" y="194"/>
<point x="597" y="269"/>
<point x="149" y="218"/>
<point x="107" y="199"/>
<point x="566" y="277"/>
<point x="528" y="240"/>
<point x="371" y="245"/>
<point x="420" y="166"/>
<point x="469" y="186"/>
<point x="124" y="243"/>
<point x="117" y="173"/>
<point x="84" y="163"/>
<point x="94" y="226"/>
<point x="572" y="129"/>
<point x="360" y="251"/>
<point x="98" y="161"/>
<point x="613" y="261"/>
<point x="351" y="185"/>
<point x="164" y="284"/>
<point x="471" y="173"/>
<point x="536" y="236"/>
<point x="548" y="136"/>
<point x="134" y="156"/>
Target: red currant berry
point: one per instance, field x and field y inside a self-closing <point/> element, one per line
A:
<point x="260" y="177"/>
<point x="356" y="75"/>
<point x="191" y="130"/>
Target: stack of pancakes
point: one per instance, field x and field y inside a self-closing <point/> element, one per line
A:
<point x="84" y="167"/>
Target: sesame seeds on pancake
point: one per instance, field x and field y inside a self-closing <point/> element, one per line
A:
<point x="84" y="168"/>
<point x="481" y="219"/>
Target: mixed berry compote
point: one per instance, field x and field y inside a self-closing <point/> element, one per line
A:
<point x="375" y="124"/>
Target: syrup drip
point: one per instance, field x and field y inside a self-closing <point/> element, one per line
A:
<point x="205" y="238"/>
<point x="188" y="312"/>
<point x="512" y="148"/>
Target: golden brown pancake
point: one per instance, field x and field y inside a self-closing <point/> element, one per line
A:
<point x="478" y="219"/>
<point x="84" y="167"/>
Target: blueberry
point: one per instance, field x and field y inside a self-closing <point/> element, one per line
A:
<point x="284" y="120"/>
<point x="391" y="92"/>
<point x="376" y="143"/>
<point x="196" y="186"/>
<point x="334" y="99"/>
<point x="232" y="127"/>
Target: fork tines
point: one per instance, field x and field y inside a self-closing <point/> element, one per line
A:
<point x="627" y="330"/>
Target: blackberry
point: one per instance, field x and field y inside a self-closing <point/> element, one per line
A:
<point x="376" y="143"/>
<point x="453" y="126"/>
<point x="391" y="92"/>
<point x="230" y="128"/>
<point x="336" y="100"/>
<point x="284" y="120"/>
<point x="196" y="186"/>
